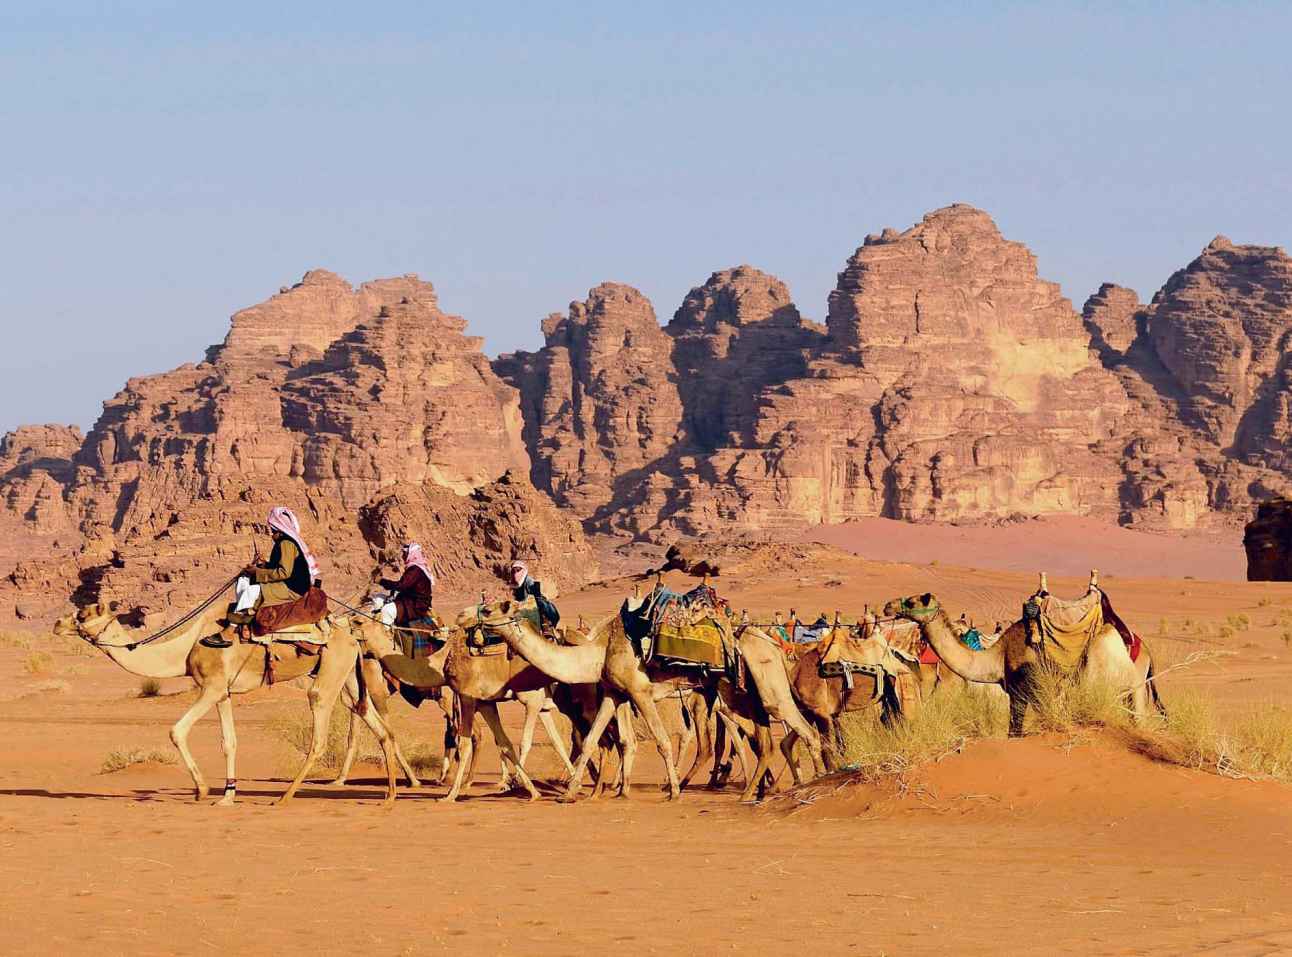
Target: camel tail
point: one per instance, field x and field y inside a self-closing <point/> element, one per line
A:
<point x="361" y="698"/>
<point x="892" y="704"/>
<point x="1150" y="680"/>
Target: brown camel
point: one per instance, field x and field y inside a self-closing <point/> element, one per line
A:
<point x="222" y="672"/>
<point x="826" y="699"/>
<point x="610" y="660"/>
<point x="378" y="642"/>
<point x="1013" y="662"/>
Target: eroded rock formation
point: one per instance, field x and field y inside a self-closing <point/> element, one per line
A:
<point x="320" y="398"/>
<point x="950" y="382"/>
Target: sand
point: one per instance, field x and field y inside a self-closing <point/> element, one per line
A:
<point x="1044" y="845"/>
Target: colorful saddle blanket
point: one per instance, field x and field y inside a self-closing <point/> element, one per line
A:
<point x="686" y="628"/>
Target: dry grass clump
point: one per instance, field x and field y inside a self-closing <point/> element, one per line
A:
<point x="297" y="730"/>
<point x="942" y="726"/>
<point x="149" y="688"/>
<point x="123" y="758"/>
<point x="38" y="663"/>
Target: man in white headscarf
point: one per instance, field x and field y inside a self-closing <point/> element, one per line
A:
<point x="524" y="587"/>
<point x="285" y="576"/>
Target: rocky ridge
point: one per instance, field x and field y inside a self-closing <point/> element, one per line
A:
<point x="949" y="382"/>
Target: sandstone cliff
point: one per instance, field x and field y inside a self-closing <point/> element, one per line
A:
<point x="949" y="382"/>
<point x="320" y="398"/>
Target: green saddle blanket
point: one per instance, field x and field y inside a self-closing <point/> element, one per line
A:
<point x="700" y="642"/>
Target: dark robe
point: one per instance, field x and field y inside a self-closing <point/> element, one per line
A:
<point x="546" y="610"/>
<point x="413" y="595"/>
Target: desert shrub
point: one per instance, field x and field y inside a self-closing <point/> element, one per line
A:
<point x="15" y="639"/>
<point x="149" y="688"/>
<point x="1239" y="622"/>
<point x="1263" y="741"/>
<point x="1226" y="631"/>
<point x="297" y="730"/>
<point x="123" y="758"/>
<point x="1060" y="704"/>
<point x="426" y="761"/>
<point x="1287" y="637"/>
<point x="38" y="663"/>
<point x="945" y="722"/>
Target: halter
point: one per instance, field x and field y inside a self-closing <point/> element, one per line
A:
<point x="917" y="613"/>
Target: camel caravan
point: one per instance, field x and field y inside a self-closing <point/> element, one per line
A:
<point x="737" y="681"/>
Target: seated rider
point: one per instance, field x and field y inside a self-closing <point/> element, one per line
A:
<point x="526" y="587"/>
<point x="286" y="576"/>
<point x="411" y="593"/>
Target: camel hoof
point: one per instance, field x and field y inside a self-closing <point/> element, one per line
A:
<point x="567" y="798"/>
<point x="449" y="799"/>
<point x="414" y="783"/>
<point x="336" y="783"/>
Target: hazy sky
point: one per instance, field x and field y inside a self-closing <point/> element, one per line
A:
<point x="164" y="164"/>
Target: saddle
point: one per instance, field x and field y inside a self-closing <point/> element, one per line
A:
<point x="683" y="630"/>
<point x="1063" y="629"/>
<point x="292" y="617"/>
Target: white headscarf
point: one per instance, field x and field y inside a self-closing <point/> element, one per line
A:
<point x="284" y="520"/>
<point x="519" y="572"/>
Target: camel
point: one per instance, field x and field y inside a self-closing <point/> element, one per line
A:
<point x="1013" y="661"/>
<point x="480" y="674"/>
<point x="610" y="660"/>
<point x="827" y="699"/>
<point x="220" y="673"/>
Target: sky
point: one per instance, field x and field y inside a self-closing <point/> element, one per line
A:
<point x="164" y="164"/>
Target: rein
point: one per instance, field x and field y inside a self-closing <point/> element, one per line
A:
<point x="157" y="636"/>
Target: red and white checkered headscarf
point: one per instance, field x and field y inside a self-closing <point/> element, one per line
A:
<point x="414" y="557"/>
<point x="284" y="520"/>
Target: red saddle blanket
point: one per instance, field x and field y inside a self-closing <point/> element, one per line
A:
<point x="309" y="609"/>
<point x="1135" y="646"/>
<point x="927" y="655"/>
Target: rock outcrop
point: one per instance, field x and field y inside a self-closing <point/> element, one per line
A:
<point x="949" y="382"/>
<point x="600" y="399"/>
<point x="320" y="399"/>
<point x="1267" y="540"/>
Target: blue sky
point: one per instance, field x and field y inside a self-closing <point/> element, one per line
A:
<point x="165" y="164"/>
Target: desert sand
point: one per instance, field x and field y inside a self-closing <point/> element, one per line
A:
<point x="1049" y="844"/>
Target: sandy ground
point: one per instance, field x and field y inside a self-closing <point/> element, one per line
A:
<point x="1044" y="845"/>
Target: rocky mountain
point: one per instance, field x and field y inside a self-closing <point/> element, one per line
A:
<point x="949" y="382"/>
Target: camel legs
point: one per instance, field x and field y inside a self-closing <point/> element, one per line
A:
<point x="206" y="700"/>
<point x="489" y="711"/>
<point x="627" y="746"/>
<point x="591" y="741"/>
<point x="376" y="722"/>
<point x="700" y="711"/>
<point x="465" y="716"/>
<point x="229" y="745"/>
<point x="763" y="745"/>
<point x="557" y="739"/>
<point x="380" y="699"/>
<point x="332" y="675"/>
<point x="644" y="700"/>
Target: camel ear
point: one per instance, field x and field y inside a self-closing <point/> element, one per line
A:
<point x="113" y="606"/>
<point x="926" y="598"/>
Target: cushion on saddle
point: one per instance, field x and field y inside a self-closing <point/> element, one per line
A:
<point x="1136" y="646"/>
<point x="1067" y="627"/>
<point x="928" y="656"/>
<point x="309" y="609"/>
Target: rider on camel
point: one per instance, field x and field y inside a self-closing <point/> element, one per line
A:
<point x="525" y="587"/>
<point x="411" y="593"/>
<point x="285" y="576"/>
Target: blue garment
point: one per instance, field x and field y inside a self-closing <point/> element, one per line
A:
<point x="972" y="639"/>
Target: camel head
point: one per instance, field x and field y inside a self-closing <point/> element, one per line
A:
<point x="87" y="623"/>
<point x="493" y="616"/>
<point x="375" y="637"/>
<point x="916" y="608"/>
